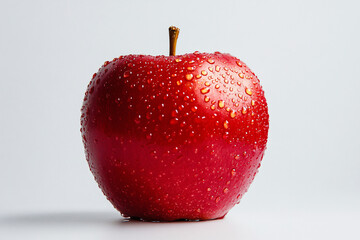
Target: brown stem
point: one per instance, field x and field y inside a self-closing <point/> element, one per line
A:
<point x="173" y="34"/>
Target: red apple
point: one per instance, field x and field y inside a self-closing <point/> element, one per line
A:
<point x="174" y="137"/>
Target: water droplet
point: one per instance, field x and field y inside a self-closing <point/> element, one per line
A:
<point x="194" y="108"/>
<point x="221" y="104"/>
<point x="204" y="73"/>
<point x="248" y="91"/>
<point x="127" y="74"/>
<point x="137" y="120"/>
<point x="211" y="61"/>
<point x="206" y="99"/>
<point x="148" y="115"/>
<point x="226" y="124"/>
<point x="198" y="76"/>
<point x="237" y="157"/>
<point x="241" y="75"/>
<point x="174" y="121"/>
<point x="217" y="68"/>
<point x="148" y="136"/>
<point x="205" y="90"/>
<point x="217" y="86"/>
<point x="174" y="113"/>
<point x="253" y="102"/>
<point x="210" y="69"/>
<point x="212" y="107"/>
<point x="217" y="199"/>
<point x="238" y="63"/>
<point x="226" y="190"/>
<point x="189" y="76"/>
<point x="233" y="172"/>
<point x="177" y="60"/>
<point x="232" y="114"/>
<point x="243" y="110"/>
<point x="91" y="89"/>
<point x="191" y="68"/>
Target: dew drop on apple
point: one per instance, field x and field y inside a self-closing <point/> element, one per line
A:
<point x="91" y="90"/>
<point x="149" y="136"/>
<point x="174" y="113"/>
<point x="127" y="74"/>
<point x="233" y="172"/>
<point x="211" y="61"/>
<point x="248" y="91"/>
<point x="137" y="120"/>
<point x="174" y="121"/>
<point x="205" y="90"/>
<point x="148" y="115"/>
<point x="226" y="124"/>
<point x="217" y="199"/>
<point x="226" y="190"/>
<point x="239" y="63"/>
<point x="221" y="104"/>
<point x="189" y="76"/>
<point x="204" y="73"/>
<point x="243" y="110"/>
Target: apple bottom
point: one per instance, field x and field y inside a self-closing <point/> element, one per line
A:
<point x="170" y="184"/>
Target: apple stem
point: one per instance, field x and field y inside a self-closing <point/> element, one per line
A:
<point x="173" y="34"/>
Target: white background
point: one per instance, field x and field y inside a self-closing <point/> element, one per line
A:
<point x="306" y="54"/>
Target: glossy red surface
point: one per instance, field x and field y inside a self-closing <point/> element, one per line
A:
<point x="174" y="137"/>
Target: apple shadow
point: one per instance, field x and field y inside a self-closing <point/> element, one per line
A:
<point x="60" y="218"/>
<point x="84" y="218"/>
<point x="111" y="225"/>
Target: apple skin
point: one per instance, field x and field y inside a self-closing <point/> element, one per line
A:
<point x="174" y="137"/>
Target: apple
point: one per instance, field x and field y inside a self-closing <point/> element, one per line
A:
<point x="174" y="137"/>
